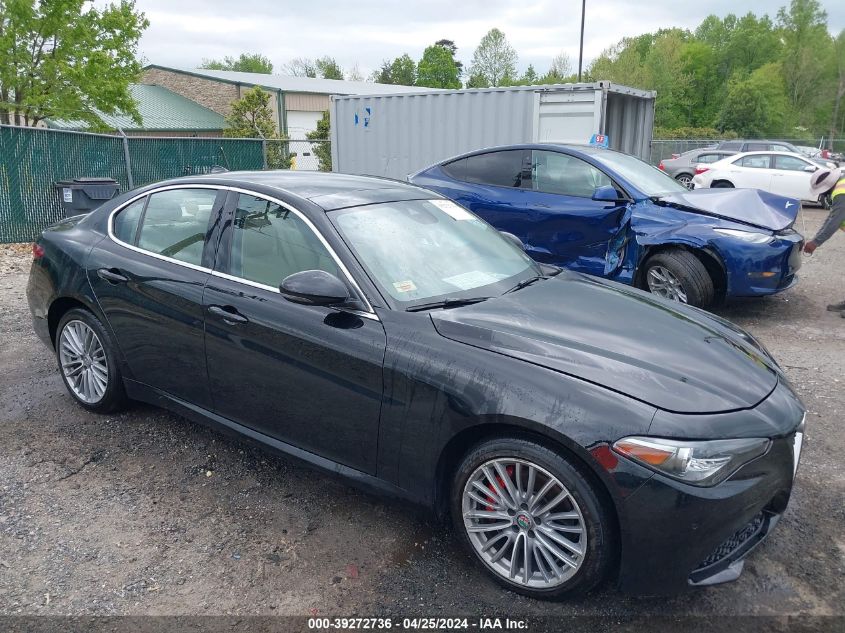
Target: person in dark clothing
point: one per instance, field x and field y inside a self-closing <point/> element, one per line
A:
<point x="822" y="182"/>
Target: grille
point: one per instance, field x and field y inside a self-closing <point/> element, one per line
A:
<point x="734" y="542"/>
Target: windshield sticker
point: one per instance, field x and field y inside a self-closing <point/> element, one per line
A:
<point x="473" y="279"/>
<point x="404" y="286"/>
<point x="452" y="210"/>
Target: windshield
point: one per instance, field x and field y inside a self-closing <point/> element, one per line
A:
<point x="422" y="250"/>
<point x="650" y="180"/>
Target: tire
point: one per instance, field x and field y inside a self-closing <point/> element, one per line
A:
<point x="528" y="531"/>
<point x="722" y="184"/>
<point x="92" y="377"/>
<point x="826" y="201"/>
<point x="684" y="278"/>
<point x="684" y="179"/>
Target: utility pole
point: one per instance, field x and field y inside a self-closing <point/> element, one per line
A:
<point x="581" y="52"/>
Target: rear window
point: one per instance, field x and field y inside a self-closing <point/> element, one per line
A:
<point x="502" y="169"/>
<point x="710" y="158"/>
<point x="126" y="222"/>
<point x="175" y="223"/>
<point x="760" y="161"/>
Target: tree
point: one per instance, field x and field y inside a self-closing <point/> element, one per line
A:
<point x="245" y="63"/>
<point x="382" y="75"/>
<point x="403" y="71"/>
<point x="300" y="67"/>
<point x="437" y="69"/>
<point x="836" y="123"/>
<point x="529" y="77"/>
<point x="322" y="146"/>
<point x="756" y="106"/>
<point x="561" y="66"/>
<point x="252" y="117"/>
<point x="494" y="59"/>
<point x="450" y="46"/>
<point x="65" y="59"/>
<point x="354" y="74"/>
<point x="328" y="68"/>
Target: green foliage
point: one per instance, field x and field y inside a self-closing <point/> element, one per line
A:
<point x="494" y="60"/>
<point x="702" y="133"/>
<point x="252" y="117"/>
<point x="245" y="63"/>
<point x="403" y="71"/>
<point x="67" y="59"/>
<point x="328" y="68"/>
<point x="529" y="77"/>
<point x="450" y="46"/>
<point x="755" y="107"/>
<point x="437" y="69"/>
<point x="745" y="73"/>
<point x="322" y="146"/>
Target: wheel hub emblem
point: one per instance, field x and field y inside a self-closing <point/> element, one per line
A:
<point x="524" y="521"/>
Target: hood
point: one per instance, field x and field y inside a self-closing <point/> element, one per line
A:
<point x="670" y="356"/>
<point x="748" y="206"/>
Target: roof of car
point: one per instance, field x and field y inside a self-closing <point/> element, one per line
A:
<point x="326" y="189"/>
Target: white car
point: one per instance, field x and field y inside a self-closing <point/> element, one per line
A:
<point x="783" y="173"/>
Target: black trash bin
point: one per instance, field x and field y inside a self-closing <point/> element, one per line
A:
<point x="82" y="195"/>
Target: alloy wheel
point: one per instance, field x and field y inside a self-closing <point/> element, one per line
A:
<point x="83" y="361"/>
<point x="664" y="283"/>
<point x="524" y="523"/>
<point x="685" y="180"/>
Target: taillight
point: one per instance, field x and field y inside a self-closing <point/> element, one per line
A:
<point x="661" y="166"/>
<point x="701" y="170"/>
<point x="37" y="251"/>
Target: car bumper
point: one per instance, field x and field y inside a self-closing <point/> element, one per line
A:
<point x="763" y="269"/>
<point x="676" y="536"/>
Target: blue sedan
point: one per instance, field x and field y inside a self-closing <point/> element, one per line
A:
<point x="609" y="214"/>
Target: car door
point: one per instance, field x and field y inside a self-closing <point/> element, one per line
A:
<point x="148" y="276"/>
<point x="310" y="376"/>
<point x="790" y="176"/>
<point x="751" y="172"/>
<point x="562" y="221"/>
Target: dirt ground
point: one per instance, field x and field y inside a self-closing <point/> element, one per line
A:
<point x="145" y="513"/>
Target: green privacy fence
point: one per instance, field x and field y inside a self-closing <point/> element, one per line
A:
<point x="32" y="160"/>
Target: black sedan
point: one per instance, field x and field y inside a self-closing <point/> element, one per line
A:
<point x="574" y="429"/>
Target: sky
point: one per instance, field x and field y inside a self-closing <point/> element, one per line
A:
<point x="365" y="32"/>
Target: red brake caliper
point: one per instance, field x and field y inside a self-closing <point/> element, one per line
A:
<point x="501" y="482"/>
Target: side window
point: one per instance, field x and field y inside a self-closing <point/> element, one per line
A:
<point x="456" y="169"/>
<point x="503" y="169"/>
<point x="789" y="163"/>
<point x="757" y="147"/>
<point x="758" y="161"/>
<point x="175" y="223"/>
<point x="709" y="158"/>
<point x="731" y="145"/>
<point x="781" y="148"/>
<point x="125" y="226"/>
<point x="552" y="172"/>
<point x="271" y="242"/>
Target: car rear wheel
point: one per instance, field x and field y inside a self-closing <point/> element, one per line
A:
<point x="685" y="180"/>
<point x="680" y="276"/>
<point x="87" y="362"/>
<point x="532" y="519"/>
<point x="722" y="184"/>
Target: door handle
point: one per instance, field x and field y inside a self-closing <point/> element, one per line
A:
<point x="112" y="275"/>
<point x="229" y="314"/>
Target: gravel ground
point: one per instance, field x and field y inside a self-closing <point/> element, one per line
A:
<point x="145" y="513"/>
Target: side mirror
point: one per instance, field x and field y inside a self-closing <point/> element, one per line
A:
<point x="810" y="169"/>
<point x="513" y="238"/>
<point x="607" y="193"/>
<point x="314" y="288"/>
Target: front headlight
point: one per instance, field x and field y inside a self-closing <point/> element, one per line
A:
<point x="701" y="463"/>
<point x="746" y="236"/>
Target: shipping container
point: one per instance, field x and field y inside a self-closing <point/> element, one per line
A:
<point x="397" y="135"/>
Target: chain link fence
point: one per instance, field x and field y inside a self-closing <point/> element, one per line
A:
<point x="32" y="160"/>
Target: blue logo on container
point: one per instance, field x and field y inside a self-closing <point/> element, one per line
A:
<point x="365" y="118"/>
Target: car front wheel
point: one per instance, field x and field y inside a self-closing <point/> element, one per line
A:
<point x="532" y="519"/>
<point x="87" y="362"/>
<point x="680" y="276"/>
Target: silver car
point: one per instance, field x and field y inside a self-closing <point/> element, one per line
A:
<point x="682" y="166"/>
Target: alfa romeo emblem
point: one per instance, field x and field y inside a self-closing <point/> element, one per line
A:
<point x="523" y="521"/>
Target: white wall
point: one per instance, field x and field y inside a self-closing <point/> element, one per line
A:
<point x="299" y="123"/>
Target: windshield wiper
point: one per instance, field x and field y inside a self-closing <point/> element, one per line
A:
<point x="526" y="282"/>
<point x="453" y="302"/>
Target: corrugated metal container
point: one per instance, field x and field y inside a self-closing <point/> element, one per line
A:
<point x="396" y="135"/>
